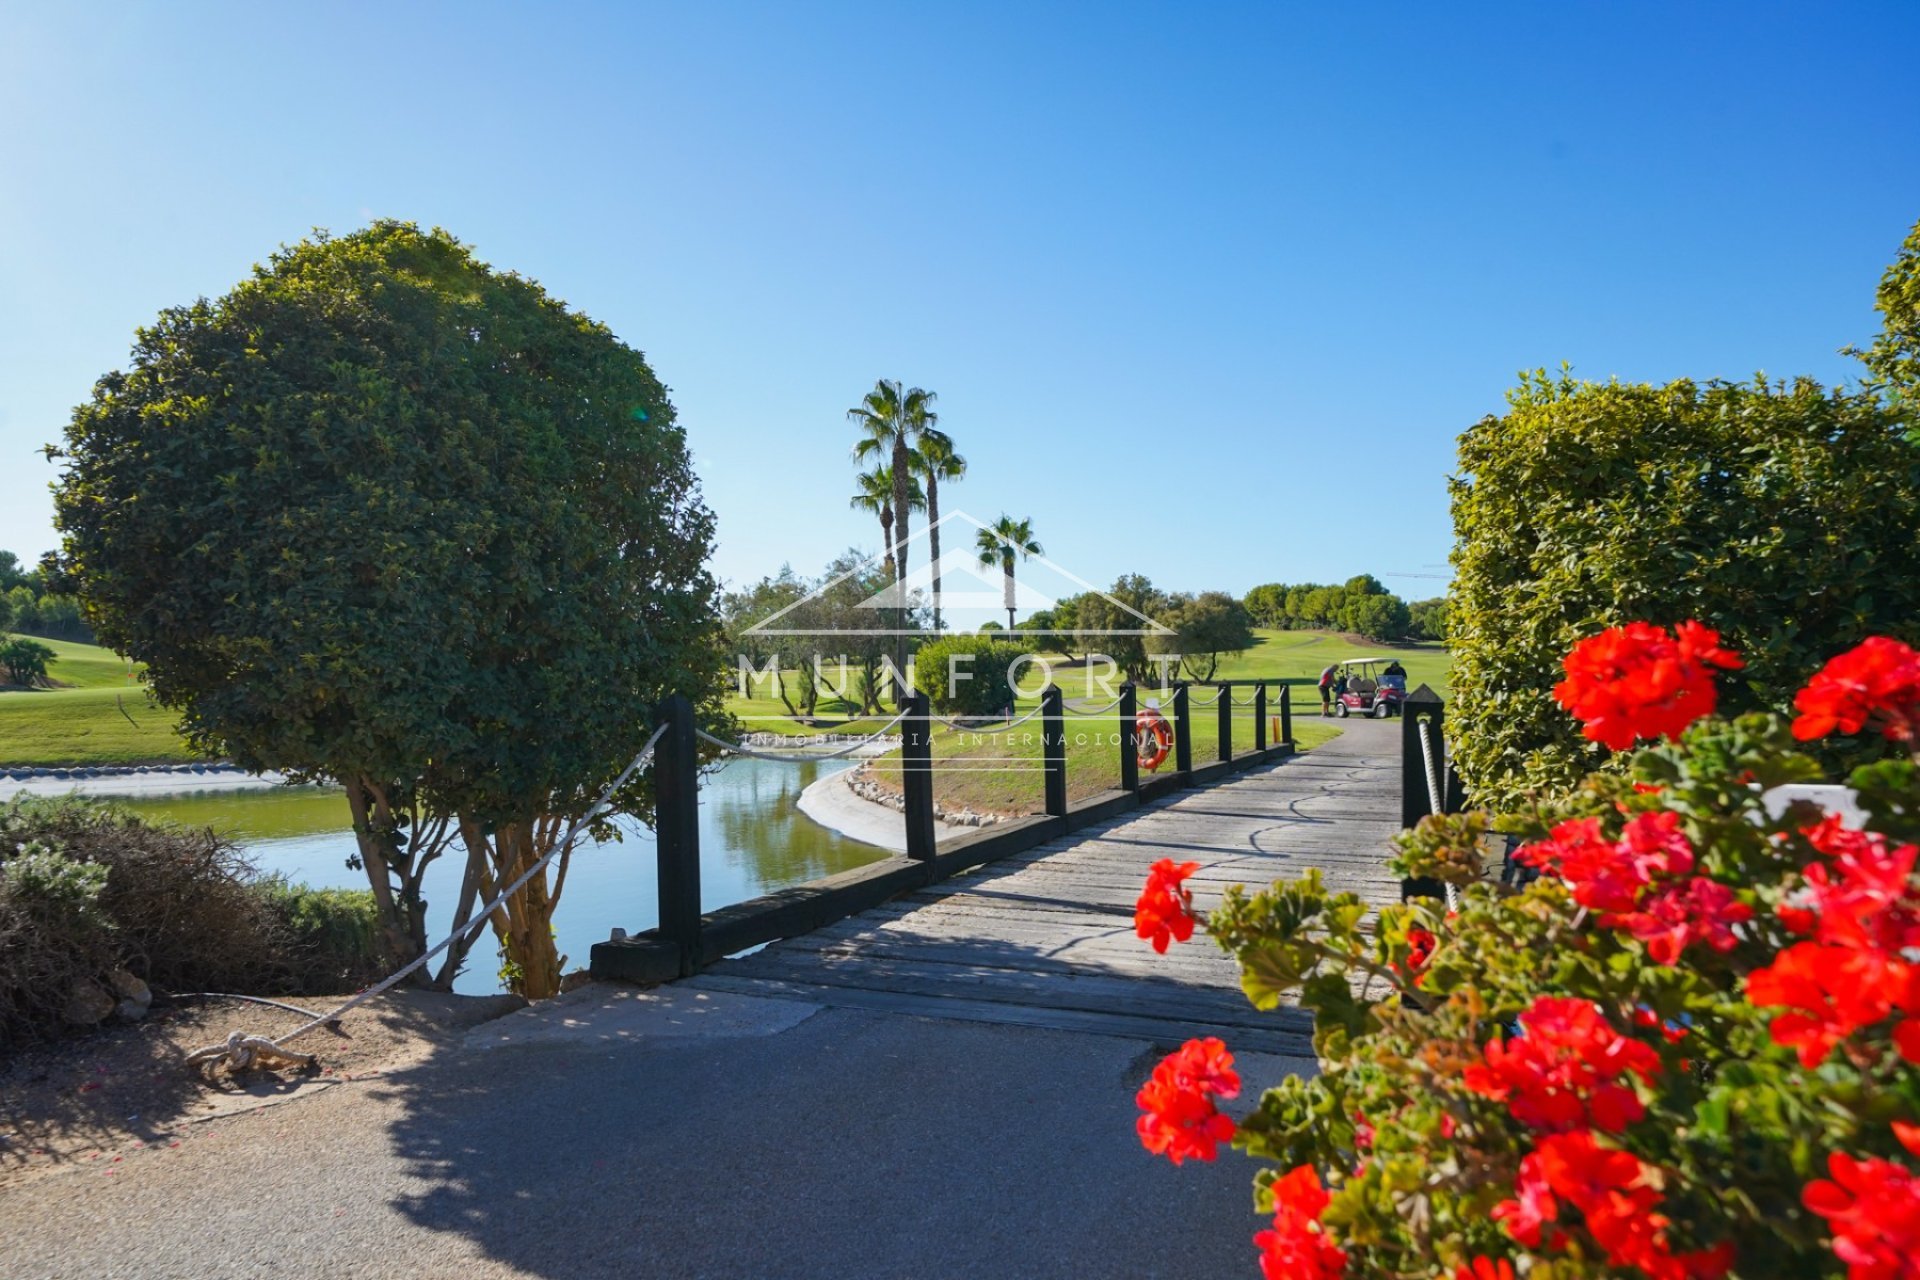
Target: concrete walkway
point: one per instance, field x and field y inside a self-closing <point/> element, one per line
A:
<point x="715" y="1128"/>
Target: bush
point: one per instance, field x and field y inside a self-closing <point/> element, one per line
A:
<point x="1782" y="515"/>
<point x="53" y="936"/>
<point x="979" y="665"/>
<point x="1688" y="1049"/>
<point x="24" y="662"/>
<point x="86" y="889"/>
<point x="332" y="936"/>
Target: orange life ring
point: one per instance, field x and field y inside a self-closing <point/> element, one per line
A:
<point x="1152" y="739"/>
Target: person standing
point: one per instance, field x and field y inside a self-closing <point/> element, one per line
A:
<point x="1326" y="690"/>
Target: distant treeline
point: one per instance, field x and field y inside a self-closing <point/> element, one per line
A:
<point x="27" y="607"/>
<point x="1360" y="605"/>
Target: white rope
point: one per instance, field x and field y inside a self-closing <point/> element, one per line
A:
<point x="961" y="725"/>
<point x="1097" y="711"/>
<point x="1433" y="769"/>
<point x="241" y="1050"/>
<point x="757" y="754"/>
<point x="1193" y="701"/>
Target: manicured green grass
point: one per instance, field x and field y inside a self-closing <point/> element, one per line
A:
<point x="87" y="727"/>
<point x="991" y="770"/>
<point x="95" y="714"/>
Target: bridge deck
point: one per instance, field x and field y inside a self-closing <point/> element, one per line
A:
<point x="1046" y="939"/>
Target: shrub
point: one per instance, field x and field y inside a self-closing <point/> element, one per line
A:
<point x="53" y="936"/>
<point x="332" y="936"/>
<point x="86" y="888"/>
<point x="1687" y="1050"/>
<point x="978" y="665"/>
<point x="1783" y="515"/>
<point x="24" y="661"/>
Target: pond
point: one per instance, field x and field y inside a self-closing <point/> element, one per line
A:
<point x="753" y="839"/>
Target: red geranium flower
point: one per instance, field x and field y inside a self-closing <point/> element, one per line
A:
<point x="1485" y="1268"/>
<point x="1179" y="1119"/>
<point x="1642" y="681"/>
<point x="1861" y="899"/>
<point x="1829" y="993"/>
<point x="1609" y="1188"/>
<point x="1697" y="910"/>
<point x="1421" y="944"/>
<point x="1298" y="1247"/>
<point x="1872" y="1207"/>
<point x="1565" y="1072"/>
<point x="1877" y="680"/>
<point x="1165" y="910"/>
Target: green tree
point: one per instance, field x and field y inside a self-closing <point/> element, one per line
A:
<point x="1375" y="616"/>
<point x="1267" y="604"/>
<point x="934" y="460"/>
<point x="6" y="613"/>
<point x="24" y="607"/>
<point x="893" y="419"/>
<point x="1205" y="626"/>
<point x="999" y="544"/>
<point x="1781" y="514"/>
<point x="418" y="528"/>
<point x="24" y="661"/>
<point x="11" y="574"/>
<point x="874" y="495"/>
<point x="1894" y="357"/>
<point x="1119" y="622"/>
<point x="1427" y="620"/>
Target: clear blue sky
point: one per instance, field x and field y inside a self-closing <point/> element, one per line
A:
<point x="1208" y="291"/>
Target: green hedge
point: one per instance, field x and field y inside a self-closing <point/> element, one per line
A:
<point x="1783" y="514"/>
<point x="332" y="935"/>
<point x="984" y="694"/>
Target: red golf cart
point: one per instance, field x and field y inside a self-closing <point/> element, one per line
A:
<point x="1375" y="687"/>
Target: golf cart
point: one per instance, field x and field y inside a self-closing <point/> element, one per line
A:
<point x="1373" y="689"/>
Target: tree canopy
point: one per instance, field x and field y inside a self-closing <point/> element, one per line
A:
<point x="385" y="515"/>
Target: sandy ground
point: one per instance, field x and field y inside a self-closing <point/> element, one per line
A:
<point x="832" y="804"/>
<point x="90" y="1101"/>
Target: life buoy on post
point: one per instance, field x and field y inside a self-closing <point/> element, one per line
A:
<point x="1152" y="737"/>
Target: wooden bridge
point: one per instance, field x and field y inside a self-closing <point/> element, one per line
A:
<point x="1032" y="923"/>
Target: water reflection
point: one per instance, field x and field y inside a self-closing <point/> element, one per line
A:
<point x="753" y="839"/>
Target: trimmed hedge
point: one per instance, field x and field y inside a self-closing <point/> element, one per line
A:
<point x="1782" y="514"/>
<point x="982" y="658"/>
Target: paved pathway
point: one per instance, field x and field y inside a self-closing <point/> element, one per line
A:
<point x="942" y="1089"/>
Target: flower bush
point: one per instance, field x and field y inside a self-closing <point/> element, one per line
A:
<point x="1689" y="1049"/>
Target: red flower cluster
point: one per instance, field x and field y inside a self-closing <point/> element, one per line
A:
<point x="1298" y="1247"/>
<point x="1610" y="1189"/>
<point x="1180" y="1119"/>
<point x="1862" y="920"/>
<point x="1878" y="680"/>
<point x="1485" y="1268"/>
<point x="1640" y="883"/>
<point x="1165" y="910"/>
<point x="1872" y="1207"/>
<point x="1421" y="944"/>
<point x="1566" y="1071"/>
<point x="1642" y="681"/>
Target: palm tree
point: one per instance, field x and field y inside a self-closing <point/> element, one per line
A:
<point x="935" y="461"/>
<point x="1000" y="543"/>
<point x="876" y="497"/>
<point x="894" y="419"/>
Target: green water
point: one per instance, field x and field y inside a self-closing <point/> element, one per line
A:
<point x="753" y="839"/>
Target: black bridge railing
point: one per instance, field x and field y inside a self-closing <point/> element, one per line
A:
<point x="688" y="939"/>
<point x="1428" y="782"/>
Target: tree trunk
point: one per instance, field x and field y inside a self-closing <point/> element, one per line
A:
<point x="524" y="922"/>
<point x="902" y="485"/>
<point x="933" y="537"/>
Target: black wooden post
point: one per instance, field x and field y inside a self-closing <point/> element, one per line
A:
<point x="1260" y="716"/>
<point x="1286" y="714"/>
<point x="1182" y="731"/>
<point x="1129" y="744"/>
<point x="916" y="777"/>
<point x="1423" y="707"/>
<point x="1225" y="717"/>
<point x="1053" y="748"/>
<point x="676" y="806"/>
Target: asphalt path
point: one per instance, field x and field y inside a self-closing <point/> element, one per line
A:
<point x="674" y="1135"/>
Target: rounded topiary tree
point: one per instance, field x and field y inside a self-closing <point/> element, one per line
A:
<point x="384" y="515"/>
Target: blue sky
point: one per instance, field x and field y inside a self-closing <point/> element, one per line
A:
<point x="1207" y="291"/>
